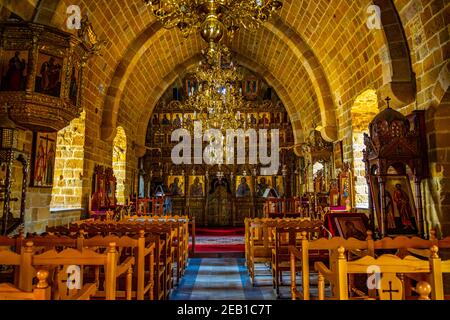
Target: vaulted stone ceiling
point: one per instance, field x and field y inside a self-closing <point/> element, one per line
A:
<point x="318" y="55"/>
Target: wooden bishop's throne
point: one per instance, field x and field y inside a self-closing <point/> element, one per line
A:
<point x="396" y="157"/>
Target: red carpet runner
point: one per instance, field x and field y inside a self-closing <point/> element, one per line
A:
<point x="209" y="240"/>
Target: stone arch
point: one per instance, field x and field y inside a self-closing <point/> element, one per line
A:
<point x="279" y="29"/>
<point x="119" y="163"/>
<point x="316" y="73"/>
<point x="121" y="75"/>
<point x="244" y="61"/>
<point x="24" y="9"/>
<point x="364" y="109"/>
<point x="441" y="92"/>
<point x="398" y="76"/>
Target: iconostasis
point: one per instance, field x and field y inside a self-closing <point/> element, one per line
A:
<point x="199" y="189"/>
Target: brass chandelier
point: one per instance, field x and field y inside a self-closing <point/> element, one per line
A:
<point x="214" y="18"/>
<point x="219" y="98"/>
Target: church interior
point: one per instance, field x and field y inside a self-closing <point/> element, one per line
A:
<point x="230" y="150"/>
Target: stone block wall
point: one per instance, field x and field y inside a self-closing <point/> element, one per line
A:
<point x="68" y="180"/>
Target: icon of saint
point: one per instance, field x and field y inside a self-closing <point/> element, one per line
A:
<point x="243" y="189"/>
<point x="196" y="188"/>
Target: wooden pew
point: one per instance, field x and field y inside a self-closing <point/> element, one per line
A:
<point x="178" y="245"/>
<point x="179" y="229"/>
<point x="142" y="250"/>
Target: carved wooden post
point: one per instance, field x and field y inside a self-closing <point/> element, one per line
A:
<point x="423" y="288"/>
<point x="25" y="170"/>
<point x="436" y="275"/>
<point x="110" y="272"/>
<point x="26" y="268"/>
<point x="383" y="206"/>
<point x="342" y="285"/>
<point x="293" y="276"/>
<point x="152" y="272"/>
<point x="141" y="266"/>
<point x="321" y="285"/>
<point x="371" y="209"/>
<point x="419" y="215"/>
<point x="43" y="290"/>
<point x="6" y="207"/>
<point x="129" y="282"/>
<point x="305" y="265"/>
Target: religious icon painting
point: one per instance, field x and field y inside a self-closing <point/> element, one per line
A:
<point x="400" y="206"/>
<point x="253" y="118"/>
<point x="264" y="119"/>
<point x="282" y="135"/>
<point x="43" y="165"/>
<point x="243" y="186"/>
<point x="189" y="118"/>
<point x="14" y="70"/>
<point x="177" y="119"/>
<point x="346" y="188"/>
<point x="350" y="226"/>
<point x="165" y="118"/>
<point x="338" y="155"/>
<point x="242" y="116"/>
<point x="49" y="73"/>
<point x="251" y="88"/>
<point x="278" y="185"/>
<point x="196" y="186"/>
<point x="176" y="186"/>
<point x="400" y="215"/>
<point x="191" y="87"/>
<point x="155" y="120"/>
<point x="262" y="183"/>
<point x="277" y="118"/>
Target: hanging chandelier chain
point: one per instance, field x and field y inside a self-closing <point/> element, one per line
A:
<point x="226" y="16"/>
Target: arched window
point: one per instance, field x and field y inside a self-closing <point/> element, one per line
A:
<point x="120" y="163"/>
<point x="364" y="110"/>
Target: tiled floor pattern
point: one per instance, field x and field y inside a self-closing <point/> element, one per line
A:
<point x="227" y="279"/>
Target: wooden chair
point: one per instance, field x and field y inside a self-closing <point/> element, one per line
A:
<point x="23" y="277"/>
<point x="24" y="291"/>
<point x="41" y="291"/>
<point x="356" y="249"/>
<point x="58" y="262"/>
<point x="259" y="244"/>
<point x="390" y="286"/>
<point x="142" y="251"/>
<point x="174" y="248"/>
<point x="260" y="240"/>
<point x="163" y="278"/>
<point x="320" y="250"/>
<point x="287" y="236"/>
<point x="162" y="257"/>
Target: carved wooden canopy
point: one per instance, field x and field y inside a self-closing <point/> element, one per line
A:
<point x="392" y="142"/>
